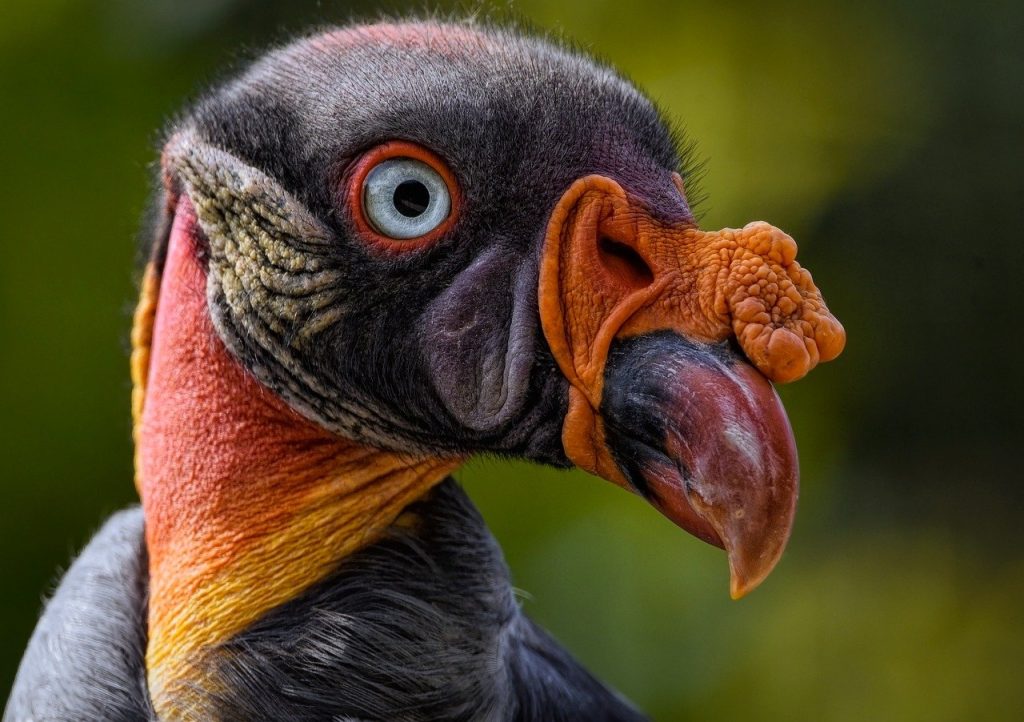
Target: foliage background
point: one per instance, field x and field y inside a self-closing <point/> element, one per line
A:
<point x="887" y="137"/>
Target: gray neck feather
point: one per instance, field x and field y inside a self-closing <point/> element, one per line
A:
<point x="421" y="626"/>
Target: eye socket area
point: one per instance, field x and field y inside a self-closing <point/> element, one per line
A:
<point x="402" y="196"/>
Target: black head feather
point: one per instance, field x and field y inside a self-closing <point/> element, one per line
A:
<point x="437" y="350"/>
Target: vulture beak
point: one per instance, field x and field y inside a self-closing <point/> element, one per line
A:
<point x="670" y="338"/>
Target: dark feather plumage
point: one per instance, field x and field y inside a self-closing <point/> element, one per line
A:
<point x="421" y="626"/>
<point x="85" y="658"/>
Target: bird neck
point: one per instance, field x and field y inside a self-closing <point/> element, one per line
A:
<point x="247" y="504"/>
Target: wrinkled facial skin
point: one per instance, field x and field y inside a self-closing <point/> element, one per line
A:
<point x="438" y="349"/>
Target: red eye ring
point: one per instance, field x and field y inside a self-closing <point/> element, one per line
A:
<point x="355" y="192"/>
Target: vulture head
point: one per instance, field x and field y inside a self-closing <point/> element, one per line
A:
<point x="386" y="248"/>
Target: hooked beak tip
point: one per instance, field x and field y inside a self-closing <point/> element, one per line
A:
<point x="753" y="549"/>
<point x="703" y="437"/>
<point x="742" y="582"/>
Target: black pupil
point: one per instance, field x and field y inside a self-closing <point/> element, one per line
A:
<point x="411" y="198"/>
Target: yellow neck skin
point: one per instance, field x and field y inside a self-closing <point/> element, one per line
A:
<point x="247" y="504"/>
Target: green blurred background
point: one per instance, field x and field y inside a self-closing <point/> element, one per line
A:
<point x="887" y="137"/>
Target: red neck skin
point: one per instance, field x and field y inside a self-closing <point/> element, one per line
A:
<point x="247" y="503"/>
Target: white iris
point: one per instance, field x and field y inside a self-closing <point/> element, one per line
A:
<point x="405" y="198"/>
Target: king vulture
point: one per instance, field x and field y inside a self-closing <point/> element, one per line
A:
<point x="379" y="251"/>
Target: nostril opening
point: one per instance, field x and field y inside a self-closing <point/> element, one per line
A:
<point x="624" y="263"/>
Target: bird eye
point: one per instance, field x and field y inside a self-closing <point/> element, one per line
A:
<point x="402" y="196"/>
<point x="405" y="198"/>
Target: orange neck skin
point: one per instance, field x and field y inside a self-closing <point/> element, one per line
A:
<point x="247" y="504"/>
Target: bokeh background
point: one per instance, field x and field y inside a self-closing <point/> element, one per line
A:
<point x="886" y="136"/>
